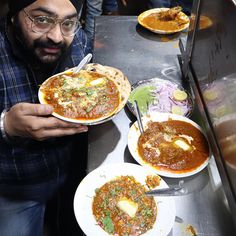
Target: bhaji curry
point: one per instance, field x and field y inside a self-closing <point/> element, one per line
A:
<point x="121" y="207"/>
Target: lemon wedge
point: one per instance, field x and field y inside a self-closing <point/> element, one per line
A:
<point x="210" y="94"/>
<point x="177" y="110"/>
<point x="179" y="95"/>
<point x="221" y="111"/>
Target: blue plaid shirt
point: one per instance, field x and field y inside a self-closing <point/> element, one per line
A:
<point x="31" y="161"/>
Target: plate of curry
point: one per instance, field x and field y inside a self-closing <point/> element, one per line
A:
<point x="164" y="20"/>
<point x="172" y="145"/>
<point x="112" y="201"/>
<point x="91" y="96"/>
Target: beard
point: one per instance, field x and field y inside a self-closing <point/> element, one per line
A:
<point x="40" y="51"/>
<point x="48" y="52"/>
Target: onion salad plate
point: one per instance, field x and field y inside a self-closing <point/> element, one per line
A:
<point x="160" y="95"/>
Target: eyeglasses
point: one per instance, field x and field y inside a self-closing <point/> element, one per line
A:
<point x="43" y="24"/>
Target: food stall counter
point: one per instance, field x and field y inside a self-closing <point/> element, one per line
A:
<point x="122" y="43"/>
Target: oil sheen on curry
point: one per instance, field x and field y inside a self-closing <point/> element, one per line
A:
<point x="169" y="20"/>
<point x="84" y="96"/>
<point x="121" y="207"/>
<point x="175" y="146"/>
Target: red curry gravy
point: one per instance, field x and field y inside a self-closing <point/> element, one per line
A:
<point x="84" y="96"/>
<point x="157" y="146"/>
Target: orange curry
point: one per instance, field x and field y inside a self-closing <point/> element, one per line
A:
<point x="173" y="145"/>
<point x="86" y="95"/>
<point x="113" y="220"/>
<point x="169" y="20"/>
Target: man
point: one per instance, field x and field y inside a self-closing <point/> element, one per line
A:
<point x="37" y="39"/>
<point x="95" y="8"/>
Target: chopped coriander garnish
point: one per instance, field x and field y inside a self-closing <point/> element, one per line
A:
<point x="108" y="224"/>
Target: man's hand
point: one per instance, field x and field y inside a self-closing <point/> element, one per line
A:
<point x="35" y="121"/>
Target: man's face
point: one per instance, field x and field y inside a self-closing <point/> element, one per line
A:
<point x="47" y="47"/>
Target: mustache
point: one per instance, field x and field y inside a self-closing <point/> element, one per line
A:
<point x="49" y="44"/>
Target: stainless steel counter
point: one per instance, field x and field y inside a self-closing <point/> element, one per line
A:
<point x="140" y="54"/>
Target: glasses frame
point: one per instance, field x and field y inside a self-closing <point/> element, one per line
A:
<point x="56" y="21"/>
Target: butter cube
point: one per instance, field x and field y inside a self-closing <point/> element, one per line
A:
<point x="128" y="206"/>
<point x="180" y="143"/>
<point x="97" y="81"/>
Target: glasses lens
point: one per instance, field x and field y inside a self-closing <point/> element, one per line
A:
<point x="69" y="27"/>
<point x="43" y="24"/>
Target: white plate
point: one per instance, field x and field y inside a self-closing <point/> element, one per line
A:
<point x="115" y="75"/>
<point x="134" y="134"/>
<point x="95" y="179"/>
<point x="156" y="10"/>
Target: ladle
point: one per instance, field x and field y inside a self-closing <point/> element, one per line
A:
<point x="174" y="190"/>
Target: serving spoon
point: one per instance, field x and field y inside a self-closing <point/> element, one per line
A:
<point x="138" y="115"/>
<point x="84" y="61"/>
<point x="174" y="190"/>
